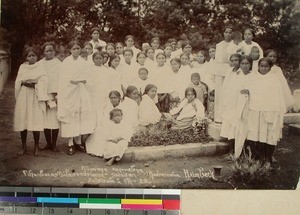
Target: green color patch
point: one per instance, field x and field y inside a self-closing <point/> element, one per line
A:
<point x="99" y="201"/>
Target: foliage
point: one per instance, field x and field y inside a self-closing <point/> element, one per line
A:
<point x="250" y="171"/>
<point x="160" y="134"/>
<point x="276" y="23"/>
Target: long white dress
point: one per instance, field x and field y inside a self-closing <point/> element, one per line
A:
<point x="230" y="90"/>
<point x="266" y="108"/>
<point x="52" y="70"/>
<point x="74" y="103"/>
<point x="30" y="105"/>
<point x="98" y="87"/>
<point x="113" y="131"/>
<point x="148" y="111"/>
<point x="95" y="144"/>
<point x="289" y="100"/>
<point x="130" y="110"/>
<point x="115" y="79"/>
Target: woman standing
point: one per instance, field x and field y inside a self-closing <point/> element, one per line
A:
<point x="74" y="104"/>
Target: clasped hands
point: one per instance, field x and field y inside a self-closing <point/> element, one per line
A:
<point x="29" y="83"/>
<point x="77" y="82"/>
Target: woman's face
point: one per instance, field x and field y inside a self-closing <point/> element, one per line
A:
<point x="134" y="95"/>
<point x="141" y="59"/>
<point x="98" y="60"/>
<point x="187" y="49"/>
<point x="254" y="54"/>
<point x="117" y="117"/>
<point x="110" y="50"/>
<point x="89" y="49"/>
<point x="160" y="60"/>
<point x="143" y="74"/>
<point x="168" y="50"/>
<point x="179" y="45"/>
<point x="264" y="67"/>
<point x="184" y="60"/>
<point x="228" y="34"/>
<point x="155" y="44"/>
<point x="129" y="42"/>
<point x="127" y="56"/>
<point x="119" y="49"/>
<point x="273" y="57"/>
<point x="152" y="92"/>
<point x="234" y="62"/>
<point x="245" y="66"/>
<point x="190" y="96"/>
<point x="95" y="35"/>
<point x="115" y="100"/>
<point x="212" y="53"/>
<point x="200" y="58"/>
<point x="75" y="51"/>
<point x="115" y="63"/>
<point x="31" y="58"/>
<point x="150" y="54"/>
<point x="49" y="52"/>
<point x="175" y="66"/>
<point x="248" y="36"/>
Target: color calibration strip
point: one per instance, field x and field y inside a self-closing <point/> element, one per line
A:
<point x="79" y="201"/>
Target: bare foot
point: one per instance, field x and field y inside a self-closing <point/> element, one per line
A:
<point x="111" y="161"/>
<point x="23" y="152"/>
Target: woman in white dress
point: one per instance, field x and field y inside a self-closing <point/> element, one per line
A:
<point x="117" y="134"/>
<point x="95" y="144"/>
<point x="130" y="44"/>
<point x="30" y="93"/>
<point x="130" y="107"/>
<point x="74" y="103"/>
<point x="52" y="66"/>
<point x="247" y="44"/>
<point x="266" y="109"/>
<point x="188" y="109"/>
<point x="148" y="111"/>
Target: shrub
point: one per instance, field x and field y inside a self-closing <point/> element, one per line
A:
<point x="250" y="171"/>
<point x="160" y="134"/>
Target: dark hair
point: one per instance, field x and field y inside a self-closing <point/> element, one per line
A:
<point x="186" y="43"/>
<point x="128" y="50"/>
<point x="185" y="54"/>
<point x="143" y="68"/>
<point x="114" y="92"/>
<point x="73" y="43"/>
<point x="88" y="43"/>
<point x="249" y="59"/>
<point x="129" y="36"/>
<point x="149" y="87"/>
<point x="212" y="46"/>
<point x="190" y="89"/>
<point x="237" y="56"/>
<point x="161" y="53"/>
<point x="130" y="90"/>
<point x="30" y="49"/>
<point x="148" y="50"/>
<point x="155" y="38"/>
<point x="97" y="53"/>
<point x="228" y="26"/>
<point x="119" y="43"/>
<point x="170" y="40"/>
<point x="268" y="51"/>
<point x="167" y="44"/>
<point x="110" y="44"/>
<point x="95" y="29"/>
<point x="251" y="30"/>
<point x="177" y="60"/>
<point x="114" y="56"/>
<point x="112" y="112"/>
<point x="140" y="53"/>
<point x="195" y="74"/>
<point x="48" y="44"/>
<point x="267" y="60"/>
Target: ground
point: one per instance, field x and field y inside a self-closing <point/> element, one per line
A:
<point x="82" y="170"/>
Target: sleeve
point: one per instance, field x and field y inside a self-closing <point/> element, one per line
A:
<point x="179" y="108"/>
<point x="200" y="109"/>
<point x="18" y="83"/>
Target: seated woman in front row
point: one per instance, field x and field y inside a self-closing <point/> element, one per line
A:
<point x="117" y="134"/>
<point x="189" y="108"/>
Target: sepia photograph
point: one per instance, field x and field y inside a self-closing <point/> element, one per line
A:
<point x="171" y="94"/>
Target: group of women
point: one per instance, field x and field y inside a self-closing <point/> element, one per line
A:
<point x="102" y="93"/>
